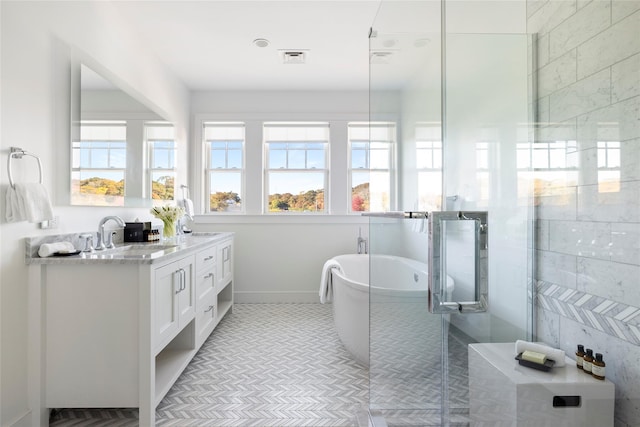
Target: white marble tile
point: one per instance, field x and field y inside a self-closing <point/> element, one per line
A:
<point x="618" y="42"/>
<point x="608" y="279"/>
<point x="542" y="113"/>
<point x="557" y="206"/>
<point x="588" y="166"/>
<point x="582" y="97"/>
<point x="557" y="74"/>
<point x="617" y="122"/>
<point x="609" y="206"/>
<point x="623" y="365"/>
<point x="551" y="132"/>
<point x="585" y="239"/>
<point x="625" y="243"/>
<point x="543" y="50"/>
<point x="625" y="78"/>
<point x="620" y="9"/>
<point x="548" y="327"/>
<point x="584" y="24"/>
<point x="550" y="15"/>
<point x="534" y="5"/>
<point x="630" y="160"/>
<point x="556" y="268"/>
<point x="542" y="235"/>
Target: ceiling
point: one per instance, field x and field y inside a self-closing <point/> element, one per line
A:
<point x="208" y="44"/>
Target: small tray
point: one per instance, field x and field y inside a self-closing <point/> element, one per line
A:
<point x="548" y="364"/>
<point x="66" y="253"/>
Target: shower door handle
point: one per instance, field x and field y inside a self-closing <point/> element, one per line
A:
<point x="458" y="262"/>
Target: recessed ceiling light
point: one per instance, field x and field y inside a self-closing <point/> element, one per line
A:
<point x="261" y="42"/>
<point x="421" y="42"/>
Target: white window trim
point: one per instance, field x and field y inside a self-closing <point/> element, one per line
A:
<point x="391" y="169"/>
<point x="254" y="161"/>
<point x="326" y="170"/>
<point x="206" y="170"/>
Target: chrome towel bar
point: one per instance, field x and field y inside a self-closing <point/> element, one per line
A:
<point x="17" y="153"/>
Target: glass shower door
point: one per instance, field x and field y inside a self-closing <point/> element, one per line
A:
<point x="462" y="114"/>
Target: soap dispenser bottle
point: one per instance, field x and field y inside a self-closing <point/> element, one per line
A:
<point x="587" y="364"/>
<point x="580" y="356"/>
<point x="597" y="369"/>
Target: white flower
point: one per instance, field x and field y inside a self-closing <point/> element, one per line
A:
<point x="168" y="213"/>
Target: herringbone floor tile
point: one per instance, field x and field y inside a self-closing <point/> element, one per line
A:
<point x="283" y="365"/>
<point x="264" y="365"/>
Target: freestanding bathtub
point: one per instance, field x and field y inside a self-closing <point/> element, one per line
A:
<point x="394" y="279"/>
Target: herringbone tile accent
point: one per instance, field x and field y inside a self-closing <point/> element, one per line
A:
<point x="264" y="365"/>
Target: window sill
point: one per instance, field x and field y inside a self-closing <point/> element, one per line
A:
<point x="280" y="219"/>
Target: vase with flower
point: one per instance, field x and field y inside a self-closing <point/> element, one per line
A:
<point x="168" y="215"/>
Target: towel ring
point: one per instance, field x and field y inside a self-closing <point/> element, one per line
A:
<point x="17" y="153"/>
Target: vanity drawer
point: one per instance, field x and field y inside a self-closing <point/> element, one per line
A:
<point x="205" y="282"/>
<point x="206" y="258"/>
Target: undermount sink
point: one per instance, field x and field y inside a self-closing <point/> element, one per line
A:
<point x="130" y="251"/>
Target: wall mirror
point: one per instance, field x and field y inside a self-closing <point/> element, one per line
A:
<point x="122" y="152"/>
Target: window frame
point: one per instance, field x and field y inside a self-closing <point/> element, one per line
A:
<point x="151" y="157"/>
<point x="391" y="161"/>
<point x="209" y="171"/>
<point x="267" y="170"/>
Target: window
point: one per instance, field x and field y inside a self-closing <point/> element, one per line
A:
<point x="370" y="148"/>
<point x="224" y="144"/>
<point x="162" y="159"/>
<point x="296" y="172"/>
<point x="429" y="166"/>
<point x="99" y="162"/>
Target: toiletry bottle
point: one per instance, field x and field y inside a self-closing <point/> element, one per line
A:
<point x="579" y="356"/>
<point x="597" y="370"/>
<point x="588" y="361"/>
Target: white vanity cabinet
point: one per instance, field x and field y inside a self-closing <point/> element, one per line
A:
<point x="116" y="332"/>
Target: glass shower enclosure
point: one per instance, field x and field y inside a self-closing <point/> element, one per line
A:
<point x="459" y="96"/>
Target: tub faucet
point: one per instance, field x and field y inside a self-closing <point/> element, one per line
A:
<point x="362" y="243"/>
<point x="105" y="240"/>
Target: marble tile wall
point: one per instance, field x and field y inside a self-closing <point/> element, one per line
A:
<point x="588" y="214"/>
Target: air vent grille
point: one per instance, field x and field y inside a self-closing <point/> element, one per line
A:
<point x="294" y="56"/>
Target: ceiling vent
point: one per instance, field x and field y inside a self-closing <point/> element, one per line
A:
<point x="294" y="56"/>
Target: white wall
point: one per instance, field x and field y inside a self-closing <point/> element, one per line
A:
<point x="37" y="42"/>
<point x="279" y="258"/>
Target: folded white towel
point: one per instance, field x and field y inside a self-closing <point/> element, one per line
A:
<point x="14" y="212"/>
<point x="28" y="201"/>
<point x="326" y="283"/>
<point x="188" y="207"/>
<point x="48" y="249"/>
<point x="554" y="354"/>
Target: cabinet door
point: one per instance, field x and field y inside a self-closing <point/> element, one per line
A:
<point x="187" y="294"/>
<point x="174" y="301"/>
<point x="225" y="263"/>
<point x="166" y="284"/>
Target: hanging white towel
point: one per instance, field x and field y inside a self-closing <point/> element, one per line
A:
<point x="29" y="201"/>
<point x="188" y="207"/>
<point x="14" y="212"/>
<point x="326" y="283"/>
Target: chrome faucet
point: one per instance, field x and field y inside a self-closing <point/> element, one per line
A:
<point x="105" y="241"/>
<point x="362" y="243"/>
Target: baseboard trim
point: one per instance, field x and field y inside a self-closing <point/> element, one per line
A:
<point x="303" y="297"/>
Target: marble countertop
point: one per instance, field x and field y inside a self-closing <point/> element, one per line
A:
<point x="125" y="253"/>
